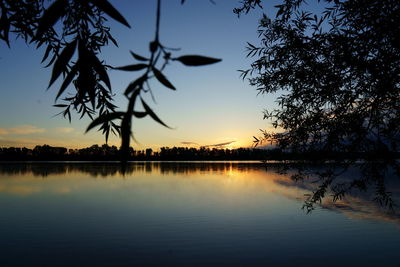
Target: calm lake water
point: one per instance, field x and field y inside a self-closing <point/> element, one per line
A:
<point x="183" y="214"/>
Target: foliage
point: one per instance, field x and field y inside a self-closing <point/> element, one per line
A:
<point x="336" y="67"/>
<point x="74" y="32"/>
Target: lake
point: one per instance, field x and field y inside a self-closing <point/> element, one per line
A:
<point x="184" y="214"/>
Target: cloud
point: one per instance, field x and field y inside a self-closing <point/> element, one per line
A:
<point x="221" y="144"/>
<point x="21" y="130"/>
<point x="189" y="143"/>
<point x="29" y="142"/>
<point x="65" y="130"/>
<point x="213" y="145"/>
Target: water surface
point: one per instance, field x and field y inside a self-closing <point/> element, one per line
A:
<point x="183" y="214"/>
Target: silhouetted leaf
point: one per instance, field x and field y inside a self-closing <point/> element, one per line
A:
<point x="101" y="70"/>
<point x="107" y="8"/>
<point x="138" y="83"/>
<point x="150" y="112"/>
<point x="139" y="115"/>
<point x="153" y="46"/>
<point x="138" y="57"/>
<point x="112" y="39"/>
<point x="5" y="26"/>
<point x="107" y="133"/>
<point x="134" y="67"/>
<point x="116" y="128"/>
<point x="195" y="60"/>
<point x="67" y="80"/>
<point x="105" y="118"/>
<point x="51" y="61"/>
<point x="50" y="17"/>
<point x="161" y="78"/>
<point x="61" y="64"/>
<point x="67" y="112"/>
<point x="46" y="53"/>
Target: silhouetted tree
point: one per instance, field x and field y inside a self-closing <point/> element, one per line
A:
<point x="336" y="67"/>
<point x="74" y="32"/>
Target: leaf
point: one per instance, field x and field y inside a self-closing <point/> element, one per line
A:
<point x="107" y="8"/>
<point x="138" y="57"/>
<point x="101" y="70"/>
<point x="251" y="46"/>
<point x="112" y="40"/>
<point x="68" y="80"/>
<point x="5" y="26"/>
<point x="67" y="112"/>
<point x="150" y="112"/>
<point x="105" y="118"/>
<point x="195" y="60"/>
<point x="116" y="128"/>
<point x="161" y="78"/>
<point x="107" y="132"/>
<point x="280" y="11"/>
<point x="51" y="61"/>
<point x="50" y="17"/>
<point x="46" y="53"/>
<point x="134" y="67"/>
<point x="139" y="115"/>
<point x="61" y="64"/>
<point x="135" y="84"/>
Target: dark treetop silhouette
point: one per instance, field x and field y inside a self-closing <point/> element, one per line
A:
<point x="336" y="65"/>
<point x="111" y="153"/>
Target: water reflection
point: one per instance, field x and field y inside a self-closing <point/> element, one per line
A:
<point x="114" y="169"/>
<point x="182" y="214"/>
<point x="21" y="179"/>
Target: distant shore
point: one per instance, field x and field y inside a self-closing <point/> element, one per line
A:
<point x="108" y="153"/>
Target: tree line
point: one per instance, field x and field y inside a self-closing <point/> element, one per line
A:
<point x="112" y="153"/>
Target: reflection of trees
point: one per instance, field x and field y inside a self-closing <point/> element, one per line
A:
<point x="374" y="180"/>
<point x="325" y="181"/>
<point x="97" y="169"/>
<point x="318" y="183"/>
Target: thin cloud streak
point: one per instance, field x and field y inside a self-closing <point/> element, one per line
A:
<point x="220" y="144"/>
<point x="65" y="130"/>
<point x="189" y="143"/>
<point x="21" y="130"/>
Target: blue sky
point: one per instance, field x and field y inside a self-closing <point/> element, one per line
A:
<point x="211" y="104"/>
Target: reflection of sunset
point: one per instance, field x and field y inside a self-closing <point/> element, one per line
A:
<point x="232" y="180"/>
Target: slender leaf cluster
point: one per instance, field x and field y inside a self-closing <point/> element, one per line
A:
<point x="150" y="67"/>
<point x="73" y="32"/>
<point x="336" y="72"/>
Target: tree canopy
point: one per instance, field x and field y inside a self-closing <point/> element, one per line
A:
<point x="335" y="65"/>
<point x="338" y="73"/>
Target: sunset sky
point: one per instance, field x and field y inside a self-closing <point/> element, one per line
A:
<point x="212" y="105"/>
